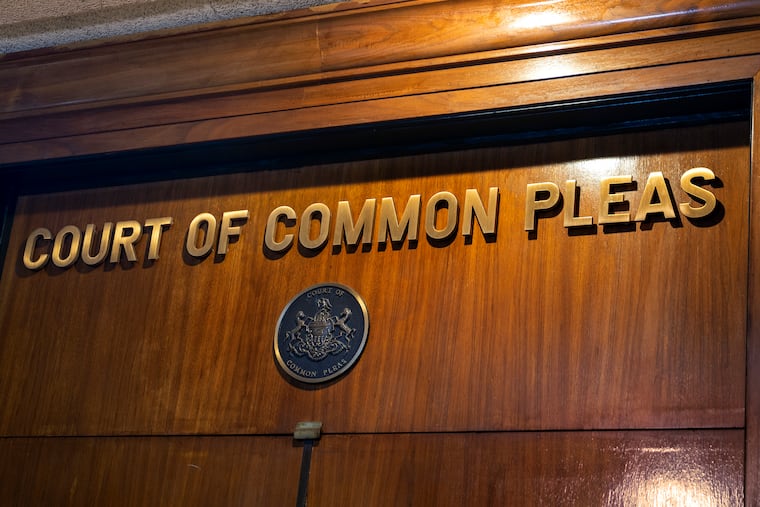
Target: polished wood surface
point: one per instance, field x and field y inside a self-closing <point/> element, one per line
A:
<point x="184" y="88"/>
<point x="141" y="471"/>
<point x="474" y="346"/>
<point x="556" y="468"/>
<point x="405" y="107"/>
<point x="639" y="328"/>
<point x="373" y="35"/>
<point x="503" y="84"/>
<point x="585" y="468"/>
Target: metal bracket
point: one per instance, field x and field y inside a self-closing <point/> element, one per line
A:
<point x="308" y="432"/>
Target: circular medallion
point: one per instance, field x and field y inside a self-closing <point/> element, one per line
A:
<point x="321" y="333"/>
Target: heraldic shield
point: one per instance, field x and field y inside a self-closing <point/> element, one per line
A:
<point x="321" y="333"/>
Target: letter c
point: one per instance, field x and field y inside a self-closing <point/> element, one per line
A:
<point x="269" y="234"/>
<point x="31" y="245"/>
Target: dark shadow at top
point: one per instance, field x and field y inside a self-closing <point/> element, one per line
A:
<point x="409" y="148"/>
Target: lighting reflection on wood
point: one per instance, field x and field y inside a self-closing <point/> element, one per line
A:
<point x="599" y="330"/>
<point x="641" y="469"/>
<point x="644" y="328"/>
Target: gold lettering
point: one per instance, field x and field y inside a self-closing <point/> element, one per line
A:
<point x="571" y="220"/>
<point x="74" y="246"/>
<point x="105" y="239"/>
<point x="304" y="232"/>
<point x="655" y="184"/>
<point x="191" y="245"/>
<point x="125" y="236"/>
<point x="270" y="239"/>
<point x="157" y="228"/>
<point x="344" y="225"/>
<point x="607" y="197"/>
<point x="31" y="246"/>
<point x="697" y="192"/>
<point x="227" y="229"/>
<point x="533" y="203"/>
<point x="409" y="223"/>
<point x="473" y="208"/>
<point x="436" y="203"/>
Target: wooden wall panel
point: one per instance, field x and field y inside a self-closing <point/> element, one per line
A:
<point x="555" y="468"/>
<point x="139" y="471"/>
<point x="585" y="468"/>
<point x="639" y="328"/>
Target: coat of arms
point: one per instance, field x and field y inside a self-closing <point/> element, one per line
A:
<point x="321" y="333"/>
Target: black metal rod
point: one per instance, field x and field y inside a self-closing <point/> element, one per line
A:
<point x="303" y="481"/>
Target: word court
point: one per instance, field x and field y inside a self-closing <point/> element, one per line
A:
<point x="440" y="217"/>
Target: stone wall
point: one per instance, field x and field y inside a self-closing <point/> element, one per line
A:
<point x="34" y="24"/>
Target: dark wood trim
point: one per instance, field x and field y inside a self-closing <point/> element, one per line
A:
<point x="709" y="103"/>
<point x="752" y="449"/>
<point x="380" y="62"/>
<point x="405" y="107"/>
<point x="736" y="50"/>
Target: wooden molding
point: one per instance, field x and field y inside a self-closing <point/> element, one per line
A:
<point x="303" y="48"/>
<point x="353" y="65"/>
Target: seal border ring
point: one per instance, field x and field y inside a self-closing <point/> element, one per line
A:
<point x="360" y="350"/>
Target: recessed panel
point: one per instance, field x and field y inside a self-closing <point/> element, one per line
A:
<point x="583" y="284"/>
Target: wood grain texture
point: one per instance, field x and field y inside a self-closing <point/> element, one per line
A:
<point x="652" y="327"/>
<point x="204" y="85"/>
<point x="586" y="468"/>
<point x="390" y="109"/>
<point x="364" y="92"/>
<point x="637" y="329"/>
<point x="331" y="41"/>
<point x="136" y="471"/>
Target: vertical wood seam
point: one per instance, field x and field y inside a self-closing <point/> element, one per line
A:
<point x="752" y="405"/>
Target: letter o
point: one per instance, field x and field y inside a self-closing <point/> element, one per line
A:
<point x="191" y="245"/>
<point x="74" y="249"/>
<point x="431" y="212"/>
<point x="304" y="231"/>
